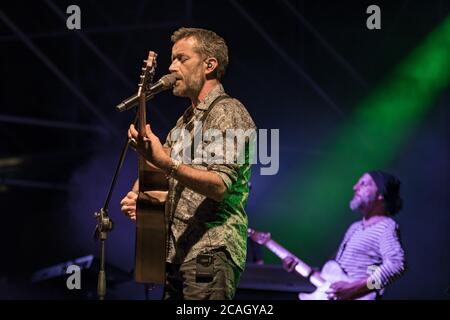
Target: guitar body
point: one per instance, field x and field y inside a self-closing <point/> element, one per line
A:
<point x="331" y="272"/>
<point x="150" y="257"/>
<point x="150" y="249"/>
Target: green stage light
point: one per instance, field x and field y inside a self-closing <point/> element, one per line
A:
<point x="311" y="212"/>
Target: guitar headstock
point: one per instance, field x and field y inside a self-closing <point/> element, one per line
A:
<point x="148" y="71"/>
<point x="259" y="237"/>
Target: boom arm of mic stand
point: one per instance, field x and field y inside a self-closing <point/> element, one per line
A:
<point x="123" y="105"/>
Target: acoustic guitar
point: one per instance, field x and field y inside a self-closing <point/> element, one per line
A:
<point x="150" y="248"/>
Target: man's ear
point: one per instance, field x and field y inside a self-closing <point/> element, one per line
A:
<point x="380" y="197"/>
<point x="211" y="65"/>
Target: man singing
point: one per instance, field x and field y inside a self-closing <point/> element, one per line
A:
<point x="206" y="199"/>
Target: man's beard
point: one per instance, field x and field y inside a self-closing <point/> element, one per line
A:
<point x="190" y="87"/>
<point x="356" y="203"/>
<point x="359" y="203"/>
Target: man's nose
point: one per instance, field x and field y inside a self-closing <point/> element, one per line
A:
<point x="172" y="67"/>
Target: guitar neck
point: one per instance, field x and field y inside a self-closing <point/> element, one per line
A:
<point x="142" y="112"/>
<point x="301" y="268"/>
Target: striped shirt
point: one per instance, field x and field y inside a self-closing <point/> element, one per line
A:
<point x="373" y="251"/>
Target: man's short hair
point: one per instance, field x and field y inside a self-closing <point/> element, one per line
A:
<point x="209" y="44"/>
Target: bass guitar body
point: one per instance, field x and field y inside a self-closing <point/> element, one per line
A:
<point x="331" y="272"/>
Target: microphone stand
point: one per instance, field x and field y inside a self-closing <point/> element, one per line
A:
<point x="105" y="224"/>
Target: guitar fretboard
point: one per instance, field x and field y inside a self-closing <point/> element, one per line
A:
<point x="301" y="268"/>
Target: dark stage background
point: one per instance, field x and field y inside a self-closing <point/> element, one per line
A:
<point x="307" y="68"/>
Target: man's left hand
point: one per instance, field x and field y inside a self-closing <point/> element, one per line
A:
<point x="153" y="150"/>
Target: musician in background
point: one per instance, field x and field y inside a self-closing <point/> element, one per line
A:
<point x="207" y="227"/>
<point x="371" y="251"/>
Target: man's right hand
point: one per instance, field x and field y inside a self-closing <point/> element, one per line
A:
<point x="128" y="205"/>
<point x="289" y="263"/>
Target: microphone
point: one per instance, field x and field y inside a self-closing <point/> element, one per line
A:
<point x="166" y="82"/>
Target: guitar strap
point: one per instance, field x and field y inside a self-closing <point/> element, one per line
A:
<point x="190" y="125"/>
<point x="344" y="245"/>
